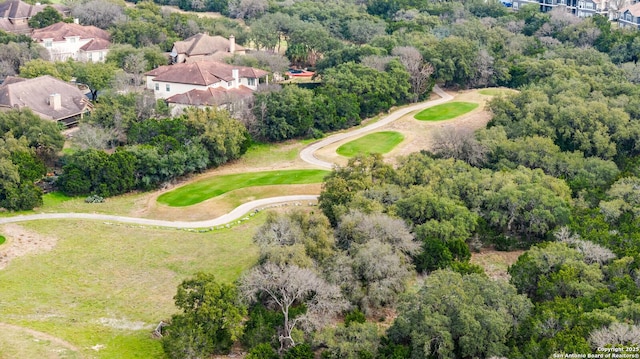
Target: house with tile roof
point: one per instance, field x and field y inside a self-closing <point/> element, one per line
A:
<point x="48" y="97"/>
<point x="202" y="47"/>
<point x="202" y="84"/>
<point x="630" y="16"/>
<point x="15" y="15"/>
<point x="82" y="43"/>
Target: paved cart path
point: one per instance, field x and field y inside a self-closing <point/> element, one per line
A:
<point x="307" y="154"/>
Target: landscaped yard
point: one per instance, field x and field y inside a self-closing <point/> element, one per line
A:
<point x="200" y="191"/>
<point x="377" y="142"/>
<point x="103" y="288"/>
<point x="445" y="111"/>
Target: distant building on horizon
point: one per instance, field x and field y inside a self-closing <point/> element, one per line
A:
<point x="580" y="8"/>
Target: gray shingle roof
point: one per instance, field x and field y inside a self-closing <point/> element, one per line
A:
<point x="34" y="94"/>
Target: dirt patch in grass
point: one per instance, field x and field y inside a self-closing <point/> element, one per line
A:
<point x="24" y="342"/>
<point x="21" y="242"/>
<point x="496" y="263"/>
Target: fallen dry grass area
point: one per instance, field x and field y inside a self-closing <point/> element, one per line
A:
<point x="496" y="263"/>
<point x="21" y="242"/>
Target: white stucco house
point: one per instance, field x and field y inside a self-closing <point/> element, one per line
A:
<point x="81" y="43"/>
<point x="166" y="81"/>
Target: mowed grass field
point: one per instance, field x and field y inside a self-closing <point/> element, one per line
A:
<point x="377" y="142"/>
<point x="446" y="111"/>
<point x="205" y="189"/>
<point x="103" y="287"/>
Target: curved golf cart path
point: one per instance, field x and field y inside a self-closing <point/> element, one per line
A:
<point x="307" y="154"/>
<point x="235" y="214"/>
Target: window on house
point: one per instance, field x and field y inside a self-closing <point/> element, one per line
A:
<point x="229" y="84"/>
<point x="252" y="82"/>
<point x="168" y="87"/>
<point x="157" y="87"/>
<point x="101" y="56"/>
<point x="48" y="43"/>
<point x="72" y="40"/>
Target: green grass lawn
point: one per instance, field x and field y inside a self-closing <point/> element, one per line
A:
<point x="211" y="187"/>
<point x="496" y="91"/>
<point x="377" y="142"/>
<point x="446" y="111"/>
<point x="2" y="239"/>
<point x="107" y="286"/>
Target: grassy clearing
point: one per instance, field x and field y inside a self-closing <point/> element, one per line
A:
<point x="496" y="92"/>
<point x="446" y="111"/>
<point x="2" y="239"/>
<point x="19" y="343"/>
<point x="377" y="142"/>
<point x="496" y="263"/>
<point x="260" y="153"/>
<point x="211" y="187"/>
<point x="109" y="285"/>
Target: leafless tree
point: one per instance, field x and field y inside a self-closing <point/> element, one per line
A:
<point x="272" y="61"/>
<point x="593" y="253"/>
<point x="460" y="144"/>
<point x="616" y="7"/>
<point x="359" y="228"/>
<point x="515" y="26"/>
<point x="376" y="62"/>
<point x="406" y="15"/>
<point x="96" y="137"/>
<point x="419" y="71"/>
<point x="616" y="334"/>
<point x="278" y="231"/>
<point x="287" y="286"/>
<point x="135" y="64"/>
<point x="98" y="13"/>
<point x="247" y="9"/>
<point x="484" y="69"/>
<point x="559" y="18"/>
<point x="632" y="71"/>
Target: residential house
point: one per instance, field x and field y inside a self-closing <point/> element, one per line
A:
<point x="588" y="8"/>
<point x="580" y="8"/>
<point x="82" y="43"/>
<point x="205" y="83"/>
<point x="15" y="15"/>
<point x="630" y="16"/>
<point x="48" y="97"/>
<point x="202" y="47"/>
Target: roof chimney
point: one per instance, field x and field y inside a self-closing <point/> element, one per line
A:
<point x="232" y="44"/>
<point x="55" y="101"/>
<point x="236" y="76"/>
